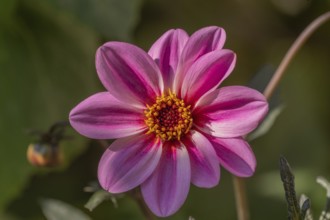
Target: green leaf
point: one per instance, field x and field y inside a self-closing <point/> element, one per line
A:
<point x="58" y="210"/>
<point x="115" y="19"/>
<point x="98" y="197"/>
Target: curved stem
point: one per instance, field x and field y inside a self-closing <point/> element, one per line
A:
<point x="309" y="30"/>
<point x="146" y="212"/>
<point x="239" y="184"/>
<point x="240" y="198"/>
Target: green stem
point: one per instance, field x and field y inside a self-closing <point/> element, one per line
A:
<point x="138" y="198"/>
<point x="241" y="200"/>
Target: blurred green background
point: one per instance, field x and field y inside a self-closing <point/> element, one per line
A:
<point x="47" y="50"/>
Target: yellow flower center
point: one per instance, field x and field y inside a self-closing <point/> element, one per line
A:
<point x="169" y="118"/>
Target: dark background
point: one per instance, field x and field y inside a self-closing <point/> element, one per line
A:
<point x="47" y="50"/>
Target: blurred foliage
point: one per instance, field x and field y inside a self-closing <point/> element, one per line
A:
<point x="287" y="177"/>
<point x="58" y="210"/>
<point x="46" y="63"/>
<point x="114" y="19"/>
<point x="266" y="124"/>
<point x="34" y="65"/>
<point x="98" y="197"/>
<point x="47" y="66"/>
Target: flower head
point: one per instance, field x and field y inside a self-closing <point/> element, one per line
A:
<point x="174" y="126"/>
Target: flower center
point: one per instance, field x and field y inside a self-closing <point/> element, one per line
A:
<point x="169" y="118"/>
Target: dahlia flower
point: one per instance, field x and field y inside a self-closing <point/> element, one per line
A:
<point x="172" y="124"/>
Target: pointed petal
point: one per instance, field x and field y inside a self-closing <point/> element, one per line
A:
<point x="205" y="169"/>
<point x="166" y="52"/>
<point x="167" y="188"/>
<point x="101" y="116"/>
<point x="235" y="155"/>
<point x="128" y="73"/>
<point x="206" y="74"/>
<point x="231" y="111"/>
<point x="127" y="168"/>
<point x="200" y="43"/>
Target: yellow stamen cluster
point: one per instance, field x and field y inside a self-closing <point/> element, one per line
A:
<point x="169" y="118"/>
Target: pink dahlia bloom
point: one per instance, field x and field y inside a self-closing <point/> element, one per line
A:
<point x="174" y="126"/>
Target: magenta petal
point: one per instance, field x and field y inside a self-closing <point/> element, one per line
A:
<point x="235" y="155"/>
<point x="206" y="74"/>
<point x="200" y="43"/>
<point x="166" y="52"/>
<point x="101" y="116"/>
<point x="127" y="168"/>
<point x="128" y="73"/>
<point x="167" y="188"/>
<point x="205" y="169"/>
<point x="231" y="111"/>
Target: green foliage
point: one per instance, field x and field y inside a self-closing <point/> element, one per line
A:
<point x="287" y="178"/>
<point x="301" y="210"/>
<point x="7" y="8"/>
<point x="47" y="66"/>
<point x="98" y="197"/>
<point x="267" y="123"/>
<point x="58" y="210"/>
<point x="112" y="18"/>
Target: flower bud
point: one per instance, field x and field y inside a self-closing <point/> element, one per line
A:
<point x="44" y="155"/>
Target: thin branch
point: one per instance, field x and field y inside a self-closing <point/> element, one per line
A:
<point x="309" y="30"/>
<point x="240" y="198"/>
<point x="144" y="209"/>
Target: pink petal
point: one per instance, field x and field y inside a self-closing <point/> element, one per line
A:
<point x="127" y="168"/>
<point x="205" y="169"/>
<point x="101" y="116"/>
<point x="167" y="188"/>
<point x="235" y="155"/>
<point x="128" y="73"/>
<point x="206" y="74"/>
<point x="200" y="43"/>
<point x="166" y="52"/>
<point x="231" y="111"/>
<point x="203" y="41"/>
